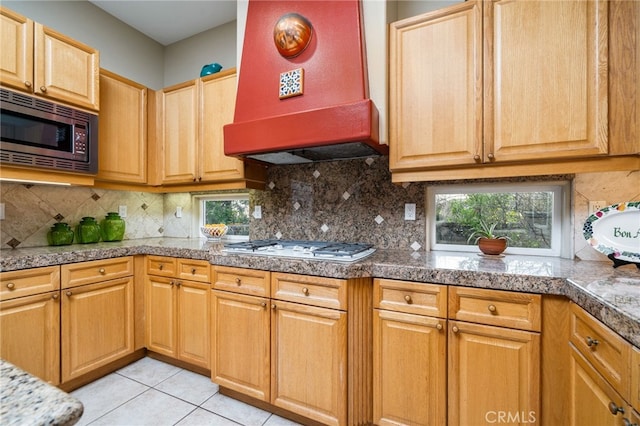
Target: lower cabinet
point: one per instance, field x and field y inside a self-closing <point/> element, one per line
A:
<point x="601" y="374"/>
<point x="455" y="361"/>
<point x="97" y="314"/>
<point x="177" y="309"/>
<point x="294" y="341"/>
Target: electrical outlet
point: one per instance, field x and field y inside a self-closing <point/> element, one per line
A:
<point x="594" y="206"/>
<point x="178" y="211"/>
<point x="1" y="211"/>
<point x="410" y="211"/>
<point x="257" y="212"/>
<point x="122" y="211"/>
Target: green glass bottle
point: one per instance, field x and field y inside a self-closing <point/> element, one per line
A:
<point x="60" y="234"/>
<point x="88" y="231"/>
<point x="112" y="227"/>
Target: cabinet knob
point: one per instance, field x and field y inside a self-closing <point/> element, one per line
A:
<point x="476" y="158"/>
<point x="305" y="291"/>
<point x="54" y="296"/>
<point x="27" y="84"/>
<point x="194" y="179"/>
<point x="455" y="329"/>
<point x="627" y="422"/>
<point x="490" y="156"/>
<point x="273" y="306"/>
<point x="592" y="343"/>
<point x="439" y="326"/>
<point x="492" y="309"/>
<point x="68" y="293"/>
<point x="200" y="179"/>
<point x="43" y="89"/>
<point x="408" y="299"/>
<point x="102" y="271"/>
<point x="171" y="283"/>
<point x="193" y="271"/>
<point x="263" y="304"/>
<point x="11" y="286"/>
<point x="178" y="283"/>
<point x="614" y="409"/>
<point x="161" y="266"/>
<point x="238" y="281"/>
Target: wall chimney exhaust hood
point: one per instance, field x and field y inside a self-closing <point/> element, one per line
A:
<point x="302" y="87"/>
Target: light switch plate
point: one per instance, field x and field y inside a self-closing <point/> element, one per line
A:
<point x="410" y="211"/>
<point x="178" y="211"/>
<point x="1" y="211"/>
<point x="122" y="211"/>
<point x="257" y="212"/>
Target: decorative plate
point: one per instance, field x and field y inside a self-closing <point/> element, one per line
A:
<point x="615" y="230"/>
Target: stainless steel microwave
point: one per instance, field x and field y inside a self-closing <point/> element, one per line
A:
<point x="42" y="134"/>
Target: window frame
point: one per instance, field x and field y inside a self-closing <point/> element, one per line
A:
<point x="561" y="240"/>
<point x="198" y="201"/>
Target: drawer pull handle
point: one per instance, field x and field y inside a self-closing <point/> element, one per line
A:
<point x="11" y="286"/>
<point x="592" y="343"/>
<point x="614" y="409"/>
<point x="161" y="266"/>
<point x="626" y="422"/>
<point x="193" y="271"/>
<point x="54" y="296"/>
<point x="68" y="294"/>
<point x="305" y="291"/>
<point x="439" y="326"/>
<point x="101" y="271"/>
<point x="455" y="329"/>
<point x="492" y="309"/>
<point x="238" y="281"/>
<point x="407" y="299"/>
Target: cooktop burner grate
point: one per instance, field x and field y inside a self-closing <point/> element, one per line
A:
<point x="303" y="249"/>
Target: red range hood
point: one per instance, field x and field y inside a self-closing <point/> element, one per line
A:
<point x="313" y="106"/>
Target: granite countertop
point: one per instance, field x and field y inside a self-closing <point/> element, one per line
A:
<point x="27" y="400"/>
<point x="611" y="295"/>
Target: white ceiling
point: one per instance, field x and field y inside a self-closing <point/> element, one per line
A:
<point x="168" y="21"/>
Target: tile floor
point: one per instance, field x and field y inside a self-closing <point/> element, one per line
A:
<point x="150" y="392"/>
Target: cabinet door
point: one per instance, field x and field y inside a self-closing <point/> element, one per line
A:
<point x="493" y="372"/>
<point x="65" y="69"/>
<point x="30" y="330"/>
<point x="161" y="318"/>
<point x="16" y="55"/>
<point x="193" y="322"/>
<point x="179" y="133"/>
<point x="309" y="361"/>
<point x="591" y="396"/>
<point x="218" y="106"/>
<point x="435" y="92"/>
<point x="241" y="343"/>
<point x="122" y="151"/>
<point x="410" y="369"/>
<point x="545" y="79"/>
<point x="97" y="325"/>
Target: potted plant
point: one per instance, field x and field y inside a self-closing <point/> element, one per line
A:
<point x="488" y="242"/>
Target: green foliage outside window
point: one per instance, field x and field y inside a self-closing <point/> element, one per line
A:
<point x="233" y="213"/>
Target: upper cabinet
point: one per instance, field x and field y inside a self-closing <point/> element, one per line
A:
<point x="189" y="140"/>
<point x="510" y="88"/>
<point x="40" y="61"/>
<point x="122" y="151"/>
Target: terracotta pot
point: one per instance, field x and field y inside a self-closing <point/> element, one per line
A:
<point x="492" y="246"/>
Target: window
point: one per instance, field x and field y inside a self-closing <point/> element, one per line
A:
<point x="534" y="217"/>
<point x="230" y="209"/>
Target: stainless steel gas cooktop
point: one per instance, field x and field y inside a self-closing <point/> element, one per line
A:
<point x="319" y="250"/>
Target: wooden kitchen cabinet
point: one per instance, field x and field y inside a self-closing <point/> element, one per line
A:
<point x="409" y="353"/>
<point x="177" y="309"/>
<point x="97" y="314"/>
<point x="474" y="93"/>
<point x="30" y="321"/>
<point x="38" y="60"/>
<point x="601" y="373"/>
<point x="494" y="361"/>
<point x="191" y="140"/>
<point x="122" y="151"/>
<point x="294" y="341"/>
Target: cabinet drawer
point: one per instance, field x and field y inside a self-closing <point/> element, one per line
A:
<point x="410" y="297"/>
<point x="495" y="307"/>
<point x="635" y="379"/>
<point x="317" y="291"/>
<point x="239" y="280"/>
<point x="194" y="270"/>
<point x="604" y="349"/>
<point x="29" y="281"/>
<point x="160" y="265"/>
<point x="76" y="274"/>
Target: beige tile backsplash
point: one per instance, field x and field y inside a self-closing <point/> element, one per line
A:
<point x="31" y="210"/>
